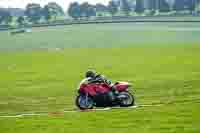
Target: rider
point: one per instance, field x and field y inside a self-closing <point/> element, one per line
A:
<point x="92" y="77"/>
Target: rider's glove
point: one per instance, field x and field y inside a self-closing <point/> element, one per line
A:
<point x="113" y="89"/>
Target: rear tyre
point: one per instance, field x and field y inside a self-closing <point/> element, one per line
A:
<point x="83" y="102"/>
<point x="126" y="99"/>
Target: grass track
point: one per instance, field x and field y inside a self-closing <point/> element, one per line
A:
<point x="173" y="118"/>
<point x="44" y="78"/>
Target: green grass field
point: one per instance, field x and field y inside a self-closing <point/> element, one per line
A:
<point x="41" y="70"/>
<point x="102" y="36"/>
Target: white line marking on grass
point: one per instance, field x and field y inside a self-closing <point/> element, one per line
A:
<point x="98" y="109"/>
<point x="103" y="109"/>
<point x="151" y="105"/>
<point x="21" y="115"/>
<point x="10" y="116"/>
<point x="76" y="111"/>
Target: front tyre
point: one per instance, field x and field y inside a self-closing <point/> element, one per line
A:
<point x="126" y="99"/>
<point x="84" y="102"/>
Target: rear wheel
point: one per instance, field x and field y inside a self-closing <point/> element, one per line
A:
<point x="84" y="102"/>
<point x="126" y="99"/>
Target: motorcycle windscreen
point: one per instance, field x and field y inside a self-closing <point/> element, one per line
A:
<point x="122" y="86"/>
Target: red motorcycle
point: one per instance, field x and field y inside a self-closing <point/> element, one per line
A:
<point x="102" y="95"/>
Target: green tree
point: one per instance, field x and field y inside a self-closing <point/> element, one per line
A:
<point x="87" y="10"/>
<point x="74" y="10"/>
<point x="178" y="5"/>
<point x="33" y="12"/>
<point x="46" y="13"/>
<point x="190" y="5"/>
<point x="112" y="8"/>
<point x="198" y="7"/>
<point x="100" y="8"/>
<point x="52" y="10"/>
<point x="152" y="4"/>
<point x="125" y="7"/>
<point x="164" y="6"/>
<point x="21" y="20"/>
<point x="139" y="6"/>
<point x="5" y="17"/>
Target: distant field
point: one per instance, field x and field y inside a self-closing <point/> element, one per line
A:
<point x="102" y="35"/>
<point x="162" y="61"/>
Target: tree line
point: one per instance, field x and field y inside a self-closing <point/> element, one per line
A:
<point x="34" y="13"/>
<point x="126" y="7"/>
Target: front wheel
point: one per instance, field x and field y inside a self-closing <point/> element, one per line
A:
<point x="126" y="99"/>
<point x="84" y="102"/>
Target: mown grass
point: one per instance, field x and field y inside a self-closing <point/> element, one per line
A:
<point x="45" y="80"/>
<point x="179" y="118"/>
<point x="39" y="81"/>
<point x="102" y="36"/>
